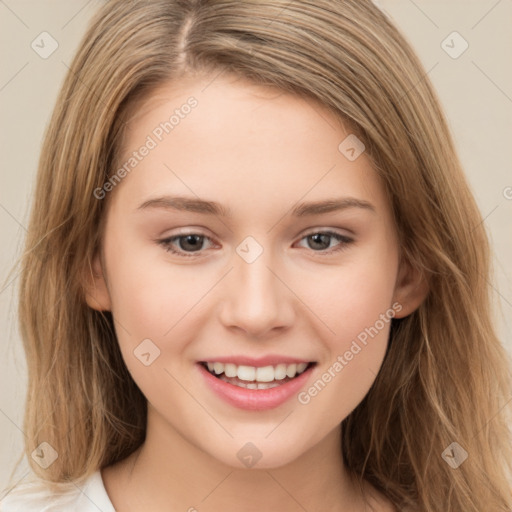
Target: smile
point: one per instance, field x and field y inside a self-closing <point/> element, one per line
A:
<point x="255" y="387"/>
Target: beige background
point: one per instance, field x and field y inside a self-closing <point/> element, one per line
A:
<point x="475" y="89"/>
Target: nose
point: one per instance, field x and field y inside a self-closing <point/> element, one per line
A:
<point x="257" y="301"/>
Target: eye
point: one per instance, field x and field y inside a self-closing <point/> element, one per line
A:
<point x="188" y="244"/>
<point x="322" y="240"/>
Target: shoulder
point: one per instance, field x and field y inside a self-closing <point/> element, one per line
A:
<point x="37" y="496"/>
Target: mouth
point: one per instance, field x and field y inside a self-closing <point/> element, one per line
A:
<point x="256" y="377"/>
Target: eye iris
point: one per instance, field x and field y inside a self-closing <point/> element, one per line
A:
<point x="194" y="242"/>
<point x="194" y="245"/>
<point x="316" y="238"/>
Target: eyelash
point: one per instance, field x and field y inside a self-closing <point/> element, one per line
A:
<point x="345" y="240"/>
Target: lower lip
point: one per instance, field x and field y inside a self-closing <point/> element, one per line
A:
<point x="255" y="399"/>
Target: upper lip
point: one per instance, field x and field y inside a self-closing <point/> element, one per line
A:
<point x="268" y="360"/>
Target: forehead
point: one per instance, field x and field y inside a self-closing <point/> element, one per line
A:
<point x="226" y="101"/>
<point x="255" y="140"/>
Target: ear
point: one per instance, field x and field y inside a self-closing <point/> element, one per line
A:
<point x="411" y="288"/>
<point x="95" y="287"/>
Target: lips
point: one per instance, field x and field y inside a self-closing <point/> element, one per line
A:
<point x="259" y="383"/>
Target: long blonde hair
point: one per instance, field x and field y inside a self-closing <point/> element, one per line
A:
<point x="445" y="377"/>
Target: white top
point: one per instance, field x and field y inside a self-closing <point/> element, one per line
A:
<point x="36" y="497"/>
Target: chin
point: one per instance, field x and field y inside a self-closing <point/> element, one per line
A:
<point x="253" y="455"/>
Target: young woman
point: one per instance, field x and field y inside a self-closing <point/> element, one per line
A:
<point x="255" y="276"/>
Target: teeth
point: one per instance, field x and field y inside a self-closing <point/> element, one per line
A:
<point x="301" y="367"/>
<point x="230" y="370"/>
<point x="262" y="374"/>
<point x="246" y="373"/>
<point x="265" y="374"/>
<point x="250" y="385"/>
<point x="280" y="372"/>
<point x="291" y="370"/>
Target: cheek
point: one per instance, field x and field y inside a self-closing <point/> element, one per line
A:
<point x="152" y="307"/>
<point x="356" y="307"/>
<point x="153" y="302"/>
<point x="151" y="294"/>
<point x="353" y="296"/>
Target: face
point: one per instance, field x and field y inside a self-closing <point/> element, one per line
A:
<point x="257" y="277"/>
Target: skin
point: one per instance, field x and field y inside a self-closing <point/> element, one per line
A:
<point x="257" y="151"/>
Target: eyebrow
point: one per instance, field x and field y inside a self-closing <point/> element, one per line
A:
<point x="183" y="203"/>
